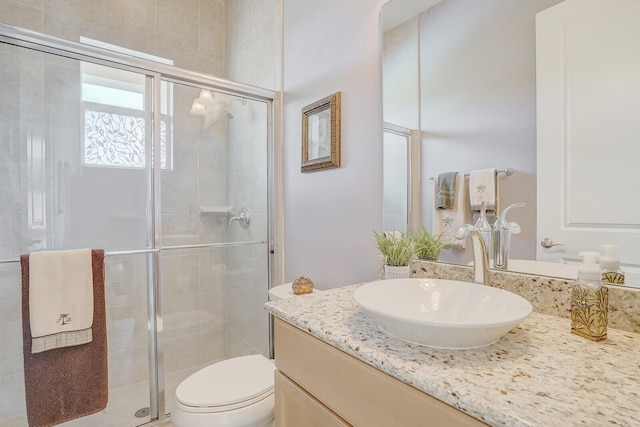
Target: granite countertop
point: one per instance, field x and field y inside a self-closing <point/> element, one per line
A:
<point x="539" y="374"/>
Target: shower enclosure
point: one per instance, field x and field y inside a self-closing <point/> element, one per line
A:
<point x="153" y="164"/>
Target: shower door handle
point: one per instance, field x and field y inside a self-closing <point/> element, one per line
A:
<point x="243" y="217"/>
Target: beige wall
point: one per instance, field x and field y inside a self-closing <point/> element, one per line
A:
<point x="252" y="42"/>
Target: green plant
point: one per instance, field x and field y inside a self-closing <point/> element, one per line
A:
<point x="397" y="248"/>
<point x="426" y="245"/>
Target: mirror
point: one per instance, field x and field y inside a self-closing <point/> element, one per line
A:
<point x="473" y="66"/>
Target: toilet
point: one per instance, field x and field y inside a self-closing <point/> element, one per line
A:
<point x="236" y="392"/>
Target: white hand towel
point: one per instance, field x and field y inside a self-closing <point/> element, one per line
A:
<point x="60" y="293"/>
<point x="483" y="188"/>
<point x="447" y="221"/>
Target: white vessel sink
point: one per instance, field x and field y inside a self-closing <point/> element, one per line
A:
<point x="442" y="313"/>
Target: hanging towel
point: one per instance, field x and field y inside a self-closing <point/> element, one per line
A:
<point x="483" y="188"/>
<point x="60" y="298"/>
<point x="71" y="382"/>
<point x="447" y="221"/>
<point x="446" y="190"/>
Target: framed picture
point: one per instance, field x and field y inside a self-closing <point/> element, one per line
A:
<point x="321" y="134"/>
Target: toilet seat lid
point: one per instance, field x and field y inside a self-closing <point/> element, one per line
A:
<point x="230" y="382"/>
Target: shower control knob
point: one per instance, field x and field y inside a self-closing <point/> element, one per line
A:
<point x="243" y="217"/>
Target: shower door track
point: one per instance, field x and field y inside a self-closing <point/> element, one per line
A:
<point x="167" y="248"/>
<point x="44" y="43"/>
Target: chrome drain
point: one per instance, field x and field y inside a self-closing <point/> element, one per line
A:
<point x="142" y="412"/>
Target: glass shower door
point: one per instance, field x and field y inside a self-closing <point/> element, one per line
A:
<point x="75" y="147"/>
<point x="214" y="261"/>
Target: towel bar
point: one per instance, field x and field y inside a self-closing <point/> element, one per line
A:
<point x="167" y="248"/>
<point x="507" y="172"/>
<point x="131" y="252"/>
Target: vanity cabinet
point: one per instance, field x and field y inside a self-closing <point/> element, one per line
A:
<point x="318" y="385"/>
<point x="295" y="407"/>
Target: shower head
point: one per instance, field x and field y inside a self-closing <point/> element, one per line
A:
<point x="214" y="106"/>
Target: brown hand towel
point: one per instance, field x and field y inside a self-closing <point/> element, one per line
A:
<point x="71" y="382"/>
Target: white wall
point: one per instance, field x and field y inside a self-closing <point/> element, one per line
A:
<point x="331" y="46"/>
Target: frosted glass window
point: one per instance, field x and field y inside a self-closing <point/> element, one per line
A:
<point x="115" y="118"/>
<point x="113" y="139"/>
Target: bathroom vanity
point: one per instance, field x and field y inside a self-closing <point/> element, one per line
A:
<point x="336" y="368"/>
<point x="313" y="376"/>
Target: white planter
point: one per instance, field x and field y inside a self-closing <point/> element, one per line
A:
<point x="394" y="272"/>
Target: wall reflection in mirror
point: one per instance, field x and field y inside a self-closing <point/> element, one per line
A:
<point x="461" y="74"/>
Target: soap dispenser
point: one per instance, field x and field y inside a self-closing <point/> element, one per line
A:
<point x="610" y="265"/>
<point x="483" y="227"/>
<point x="589" y="300"/>
<point x="501" y="237"/>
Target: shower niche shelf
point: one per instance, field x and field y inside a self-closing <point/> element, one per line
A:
<point x="215" y="209"/>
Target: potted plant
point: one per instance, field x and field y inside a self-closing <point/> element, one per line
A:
<point x="397" y="250"/>
<point x="427" y="246"/>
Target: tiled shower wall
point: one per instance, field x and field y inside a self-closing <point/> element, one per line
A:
<point x="235" y="39"/>
<point x="190" y="32"/>
<point x="252" y="42"/>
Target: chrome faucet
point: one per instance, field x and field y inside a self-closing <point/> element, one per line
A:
<point x="480" y="257"/>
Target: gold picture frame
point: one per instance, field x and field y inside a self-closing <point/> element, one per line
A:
<point x="321" y="134"/>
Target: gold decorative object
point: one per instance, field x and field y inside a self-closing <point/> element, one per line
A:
<point x="589" y="312"/>
<point x="613" y="277"/>
<point x="302" y="285"/>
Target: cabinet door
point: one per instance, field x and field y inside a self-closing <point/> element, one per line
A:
<point x="295" y="407"/>
<point x="358" y="393"/>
